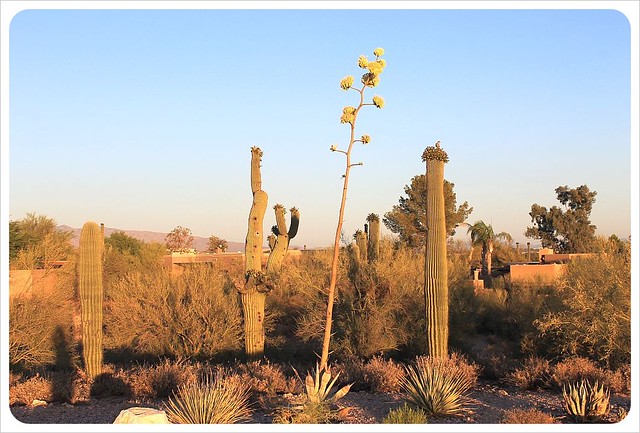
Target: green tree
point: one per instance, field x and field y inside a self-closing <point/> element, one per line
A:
<point x="566" y="229"/>
<point x="122" y="242"/>
<point x="124" y="253"/>
<point x="35" y="242"/>
<point x="408" y="217"/>
<point x="179" y="240"/>
<point x="215" y="243"/>
<point x="482" y="234"/>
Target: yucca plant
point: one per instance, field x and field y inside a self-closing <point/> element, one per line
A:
<point x="585" y="402"/>
<point x="319" y="386"/>
<point x="436" y="390"/>
<point x="406" y="415"/>
<point x="214" y="400"/>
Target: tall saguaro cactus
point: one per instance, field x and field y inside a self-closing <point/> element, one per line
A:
<point x="254" y="292"/>
<point x="91" y="295"/>
<point x="436" y="289"/>
<point x="257" y="284"/>
<point x="374" y="237"/>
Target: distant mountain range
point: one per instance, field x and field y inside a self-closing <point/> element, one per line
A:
<point x="200" y="243"/>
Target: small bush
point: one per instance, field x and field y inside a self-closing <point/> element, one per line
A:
<point x="382" y="375"/>
<point x="534" y="374"/>
<point x="585" y="402"/>
<point x="308" y="413"/>
<point x="213" y="400"/>
<point x="439" y="385"/>
<point x="576" y="369"/>
<point x="265" y="377"/>
<point x="165" y="378"/>
<point x="526" y="416"/>
<point x="33" y="388"/>
<point x="406" y="415"/>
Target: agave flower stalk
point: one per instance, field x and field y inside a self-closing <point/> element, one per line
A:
<point x="350" y="116"/>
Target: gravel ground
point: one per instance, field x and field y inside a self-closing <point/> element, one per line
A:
<point x="487" y="404"/>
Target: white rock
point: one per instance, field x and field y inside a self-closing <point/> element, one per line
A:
<point x="142" y="415"/>
<point x="37" y="402"/>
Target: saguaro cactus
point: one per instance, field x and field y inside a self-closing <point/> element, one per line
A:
<point x="374" y="237"/>
<point x="279" y="241"/>
<point x="436" y="288"/>
<point x="91" y="294"/>
<point x="361" y="242"/>
<point x="254" y="292"/>
<point x="257" y="284"/>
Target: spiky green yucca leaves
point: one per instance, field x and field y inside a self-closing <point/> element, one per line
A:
<point x="585" y="402"/>
<point x="91" y="295"/>
<point x="406" y="415"/>
<point x="214" y="400"/>
<point x="319" y="386"/>
<point x="434" y="388"/>
<point x="436" y="288"/>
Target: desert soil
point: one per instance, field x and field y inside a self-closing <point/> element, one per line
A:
<point x="487" y="403"/>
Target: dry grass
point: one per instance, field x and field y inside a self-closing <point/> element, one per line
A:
<point x="406" y="415"/>
<point x="383" y="375"/>
<point x="534" y="374"/>
<point x="526" y="416"/>
<point x="267" y="378"/>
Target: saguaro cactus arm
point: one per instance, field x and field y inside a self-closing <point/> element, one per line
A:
<point x="283" y="237"/>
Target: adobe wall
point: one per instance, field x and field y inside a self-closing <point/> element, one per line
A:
<point x="542" y="272"/>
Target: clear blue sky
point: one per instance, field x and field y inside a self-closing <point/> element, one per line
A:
<point x="145" y="119"/>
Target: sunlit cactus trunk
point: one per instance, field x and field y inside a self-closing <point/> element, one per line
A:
<point x="257" y="284"/>
<point x="436" y="289"/>
<point x="361" y="243"/>
<point x="374" y="237"/>
<point x="253" y="300"/>
<point x="91" y="295"/>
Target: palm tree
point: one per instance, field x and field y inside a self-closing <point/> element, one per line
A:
<point x="483" y="235"/>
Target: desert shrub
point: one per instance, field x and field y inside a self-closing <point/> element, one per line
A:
<point x="377" y="307"/>
<point x="212" y="400"/>
<point x="193" y="315"/>
<point x="351" y="370"/>
<point x="163" y="379"/>
<point x="267" y="378"/>
<point x="112" y="381"/>
<point x="534" y="374"/>
<point x="41" y="324"/>
<point x="575" y="369"/>
<point x="382" y="375"/>
<point x="406" y="415"/>
<point x="33" y="388"/>
<point x="594" y="320"/>
<point x="439" y="385"/>
<point x="307" y="413"/>
<point x="526" y="416"/>
<point x="585" y="402"/>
